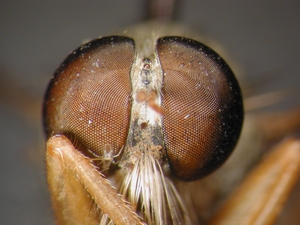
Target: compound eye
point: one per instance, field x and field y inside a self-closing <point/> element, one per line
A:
<point x="203" y="107"/>
<point x="88" y="100"/>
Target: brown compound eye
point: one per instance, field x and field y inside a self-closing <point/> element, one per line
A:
<point x="89" y="98"/>
<point x="203" y="107"/>
<point x="89" y="101"/>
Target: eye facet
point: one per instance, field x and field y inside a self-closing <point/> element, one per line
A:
<point x="88" y="100"/>
<point x="183" y="99"/>
<point x="203" y="107"/>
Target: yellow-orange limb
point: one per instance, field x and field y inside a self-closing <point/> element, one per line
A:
<point x="79" y="191"/>
<point x="261" y="196"/>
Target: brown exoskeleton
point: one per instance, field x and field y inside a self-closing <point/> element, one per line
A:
<point x="171" y="106"/>
<point x="254" y="142"/>
<point x="151" y="170"/>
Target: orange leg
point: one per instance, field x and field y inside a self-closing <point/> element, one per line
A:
<point x="79" y="191"/>
<point x="261" y="196"/>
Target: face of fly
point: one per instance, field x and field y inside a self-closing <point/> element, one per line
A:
<point x="172" y="107"/>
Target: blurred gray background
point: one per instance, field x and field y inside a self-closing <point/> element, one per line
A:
<point x="35" y="36"/>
